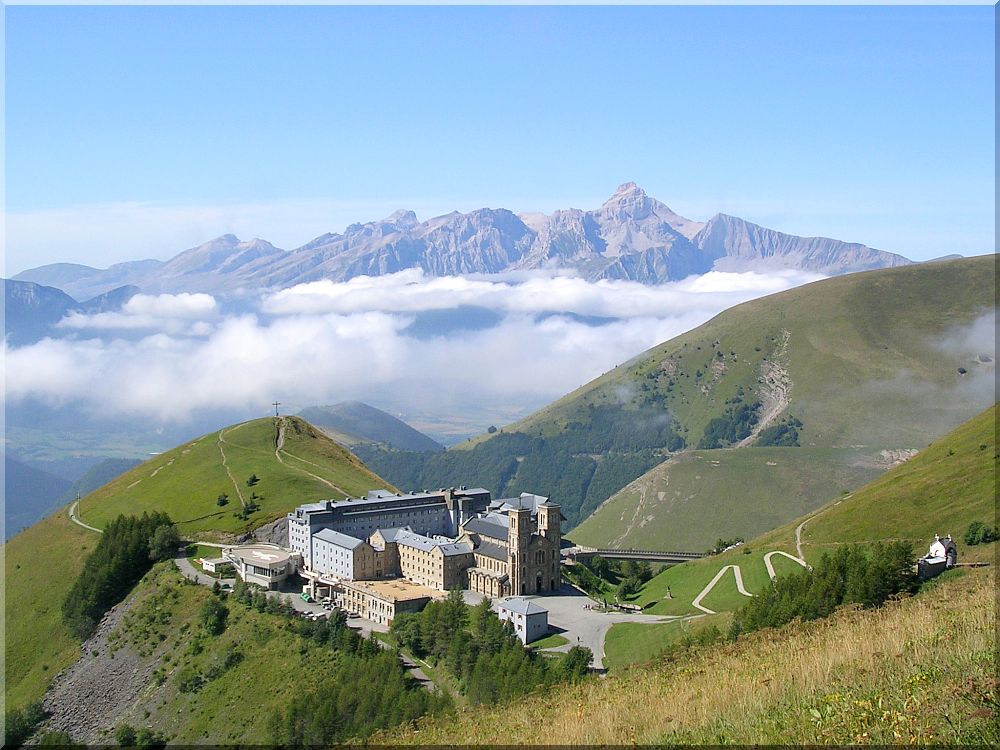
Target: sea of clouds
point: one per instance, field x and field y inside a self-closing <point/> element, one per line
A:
<point x="169" y="356"/>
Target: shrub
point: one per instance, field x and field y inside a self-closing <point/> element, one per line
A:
<point x="979" y="533"/>
<point x="21" y="723"/>
<point x="214" y="615"/>
<point x="125" y="736"/>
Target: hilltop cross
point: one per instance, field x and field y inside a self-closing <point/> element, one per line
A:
<point x="276" y="404"/>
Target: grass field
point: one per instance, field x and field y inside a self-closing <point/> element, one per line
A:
<point x="630" y="643"/>
<point x="186" y="481"/>
<point x="909" y="672"/>
<point x="552" y="640"/>
<point x="41" y="563"/>
<point x="692" y="499"/>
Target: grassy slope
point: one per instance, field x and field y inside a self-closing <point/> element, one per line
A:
<point x="219" y="713"/>
<point x="877" y="328"/>
<point x="692" y="499"/>
<point x="869" y="675"/>
<point x="43" y="561"/>
<point x="41" y="565"/>
<point x="941" y="490"/>
<point x="186" y="481"/>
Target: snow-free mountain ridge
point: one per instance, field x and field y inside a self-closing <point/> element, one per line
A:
<point x="631" y="236"/>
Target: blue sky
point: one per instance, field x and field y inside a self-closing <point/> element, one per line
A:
<point x="140" y="131"/>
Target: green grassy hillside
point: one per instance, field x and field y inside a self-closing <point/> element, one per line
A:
<point x="695" y="497"/>
<point x="872" y="358"/>
<point x="918" y="670"/>
<point x="941" y="490"/>
<point x="854" y="365"/>
<point x="43" y="561"/>
<point x="41" y="564"/>
<point x="220" y="712"/>
<point x="186" y="481"/>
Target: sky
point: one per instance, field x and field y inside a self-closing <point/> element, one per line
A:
<point x="135" y="132"/>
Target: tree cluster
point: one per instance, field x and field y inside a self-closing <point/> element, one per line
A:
<point x="853" y="574"/>
<point x="735" y="424"/>
<point x="371" y="690"/>
<point x="128" y="736"/>
<point x="626" y="443"/>
<point x="126" y="551"/>
<point x="721" y="545"/>
<point x="368" y="693"/>
<point x="979" y="533"/>
<point x="481" y="652"/>
<point x="785" y="433"/>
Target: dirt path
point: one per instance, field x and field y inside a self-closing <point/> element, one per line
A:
<point x="798" y="529"/>
<point x="279" y="444"/>
<point x="225" y="465"/>
<point x="75" y="519"/>
<point x="770" y="566"/>
<point x="711" y="584"/>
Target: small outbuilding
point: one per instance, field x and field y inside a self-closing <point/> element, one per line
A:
<point x="943" y="554"/>
<point x="530" y="620"/>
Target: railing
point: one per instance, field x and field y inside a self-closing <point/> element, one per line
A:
<point x="591" y="551"/>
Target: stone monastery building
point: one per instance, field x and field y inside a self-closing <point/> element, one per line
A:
<point x="439" y="540"/>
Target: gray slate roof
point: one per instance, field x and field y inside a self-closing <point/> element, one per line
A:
<point x="492" y="550"/>
<point x="418" y="541"/>
<point x="492" y="525"/>
<point x="390" y="534"/>
<point x="522" y="607"/>
<point x="335" y="537"/>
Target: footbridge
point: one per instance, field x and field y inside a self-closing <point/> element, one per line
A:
<point x="585" y="553"/>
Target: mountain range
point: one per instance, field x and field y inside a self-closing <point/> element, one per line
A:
<point x="631" y="236"/>
<point x="32" y="309"/>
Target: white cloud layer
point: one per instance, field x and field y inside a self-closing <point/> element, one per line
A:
<point x="325" y="342"/>
<point x="411" y="291"/>
<point x="168" y="313"/>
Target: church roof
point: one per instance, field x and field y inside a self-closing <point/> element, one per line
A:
<point x="492" y="525"/>
<point x="489" y="549"/>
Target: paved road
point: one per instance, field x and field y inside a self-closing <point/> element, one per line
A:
<point x="582" y="627"/>
<point x="737" y="572"/>
<point x="73" y="517"/>
<point x="770" y="566"/>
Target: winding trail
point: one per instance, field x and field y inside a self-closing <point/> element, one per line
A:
<point x="279" y="444"/>
<point x="770" y="566"/>
<point x="236" y="485"/>
<point x="711" y="584"/>
<point x="798" y="539"/>
<point x="75" y="519"/>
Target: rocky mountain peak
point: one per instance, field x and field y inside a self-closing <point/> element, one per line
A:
<point x="402" y="218"/>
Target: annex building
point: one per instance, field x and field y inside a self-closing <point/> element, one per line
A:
<point x="435" y="541"/>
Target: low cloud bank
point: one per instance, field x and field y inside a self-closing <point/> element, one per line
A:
<point x="168" y="357"/>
